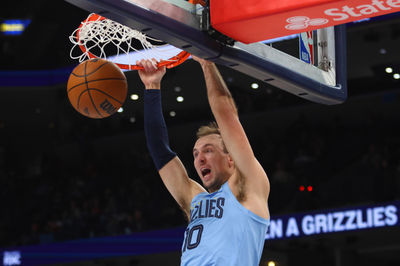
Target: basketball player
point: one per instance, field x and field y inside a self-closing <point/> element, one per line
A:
<point x="228" y="221"/>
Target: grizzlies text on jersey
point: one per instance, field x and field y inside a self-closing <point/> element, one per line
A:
<point x="222" y="232"/>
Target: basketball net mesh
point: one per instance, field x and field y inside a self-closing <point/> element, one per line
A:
<point x="98" y="36"/>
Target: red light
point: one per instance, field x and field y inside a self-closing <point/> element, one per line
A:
<point x="301" y="188"/>
<point x="310" y="188"/>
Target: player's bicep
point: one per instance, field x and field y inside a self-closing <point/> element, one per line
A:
<point x="178" y="183"/>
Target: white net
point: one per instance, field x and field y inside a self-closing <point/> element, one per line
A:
<point x="104" y="38"/>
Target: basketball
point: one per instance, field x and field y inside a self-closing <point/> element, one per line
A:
<point x="97" y="88"/>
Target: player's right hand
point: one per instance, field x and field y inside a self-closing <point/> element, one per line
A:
<point x="151" y="75"/>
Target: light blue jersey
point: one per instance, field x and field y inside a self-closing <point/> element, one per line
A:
<point x="222" y="232"/>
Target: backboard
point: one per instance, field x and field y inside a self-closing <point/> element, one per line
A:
<point x="188" y="27"/>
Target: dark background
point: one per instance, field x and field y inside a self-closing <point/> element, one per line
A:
<point x="64" y="176"/>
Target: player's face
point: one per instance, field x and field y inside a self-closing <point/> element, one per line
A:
<point x="212" y="164"/>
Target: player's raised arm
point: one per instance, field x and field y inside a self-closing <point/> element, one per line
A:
<point x="169" y="166"/>
<point x="250" y="177"/>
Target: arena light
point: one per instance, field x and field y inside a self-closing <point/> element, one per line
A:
<point x="271" y="263"/>
<point x="134" y="97"/>
<point x="255" y="85"/>
<point x="14" y="26"/>
<point x="172" y="114"/>
<point x="180" y="99"/>
<point x="396" y="76"/>
<point x="389" y="70"/>
<point x="120" y="110"/>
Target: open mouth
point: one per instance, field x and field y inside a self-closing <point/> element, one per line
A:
<point x="205" y="171"/>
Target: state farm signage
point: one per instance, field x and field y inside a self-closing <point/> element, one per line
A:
<point x="343" y="14"/>
<point x="271" y="19"/>
<point x="374" y="8"/>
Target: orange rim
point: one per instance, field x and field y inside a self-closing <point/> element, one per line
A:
<point x="170" y="63"/>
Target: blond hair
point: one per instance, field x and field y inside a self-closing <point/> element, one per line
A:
<point x="211" y="128"/>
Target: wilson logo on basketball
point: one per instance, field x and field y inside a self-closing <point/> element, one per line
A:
<point x="108" y="107"/>
<point x="344" y="14"/>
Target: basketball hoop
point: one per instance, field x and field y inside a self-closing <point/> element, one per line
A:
<point x="97" y="36"/>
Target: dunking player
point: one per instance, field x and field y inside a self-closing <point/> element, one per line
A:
<point x="227" y="224"/>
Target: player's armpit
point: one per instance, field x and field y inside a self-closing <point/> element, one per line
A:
<point x="257" y="188"/>
<point x="182" y="188"/>
<point x="251" y="187"/>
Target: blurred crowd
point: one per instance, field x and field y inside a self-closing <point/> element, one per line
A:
<point x="90" y="187"/>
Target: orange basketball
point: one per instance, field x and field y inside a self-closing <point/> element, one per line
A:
<point x="97" y="88"/>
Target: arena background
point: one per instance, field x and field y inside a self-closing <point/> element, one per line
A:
<point x="65" y="177"/>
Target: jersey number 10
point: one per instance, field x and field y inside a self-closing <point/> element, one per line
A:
<point x="192" y="237"/>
